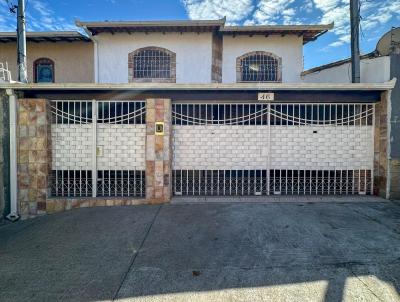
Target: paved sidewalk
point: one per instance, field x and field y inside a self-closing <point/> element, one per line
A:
<point x="314" y="251"/>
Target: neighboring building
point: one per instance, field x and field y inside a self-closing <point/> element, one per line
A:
<point x="52" y="57"/>
<point x="379" y="66"/>
<point x="198" y="51"/>
<point x="373" y="69"/>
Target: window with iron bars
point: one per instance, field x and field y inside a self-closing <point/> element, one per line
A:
<point x="259" y="67"/>
<point x="153" y="63"/>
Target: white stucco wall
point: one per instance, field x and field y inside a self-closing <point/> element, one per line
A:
<point x="289" y="48"/>
<point x="193" y="54"/>
<point x="375" y="70"/>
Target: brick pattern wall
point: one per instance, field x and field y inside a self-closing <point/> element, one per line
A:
<point x="123" y="147"/>
<point x="221" y="147"/>
<point x="34" y="155"/>
<point x="225" y="147"/>
<point x="322" y="148"/>
<point x="158" y="151"/>
<point x="71" y="147"/>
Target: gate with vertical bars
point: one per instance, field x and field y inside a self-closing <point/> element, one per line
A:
<point x="272" y="148"/>
<point x="98" y="148"/>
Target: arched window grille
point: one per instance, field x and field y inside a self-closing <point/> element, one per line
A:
<point x="43" y="70"/>
<point x="259" y="66"/>
<point x="152" y="64"/>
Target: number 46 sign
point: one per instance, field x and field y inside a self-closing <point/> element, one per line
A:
<point x="266" y="96"/>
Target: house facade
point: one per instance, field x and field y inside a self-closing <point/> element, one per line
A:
<point x="199" y="51"/>
<point x="193" y="108"/>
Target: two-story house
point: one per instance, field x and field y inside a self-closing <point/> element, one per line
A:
<point x="198" y="51"/>
<point x="193" y="108"/>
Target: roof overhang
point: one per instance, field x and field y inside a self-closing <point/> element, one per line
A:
<point x="204" y="87"/>
<point x="151" y="26"/>
<point x="308" y="32"/>
<point x="48" y="36"/>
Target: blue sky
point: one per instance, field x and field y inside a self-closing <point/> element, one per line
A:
<point x="378" y="16"/>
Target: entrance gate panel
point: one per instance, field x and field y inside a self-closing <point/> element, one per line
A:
<point x="101" y="143"/>
<point x="261" y="149"/>
<point x="220" y="149"/>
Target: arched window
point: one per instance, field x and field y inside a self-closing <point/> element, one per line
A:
<point x="258" y="66"/>
<point x="43" y="70"/>
<point x="152" y="64"/>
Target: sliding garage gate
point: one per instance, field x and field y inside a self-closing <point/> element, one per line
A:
<point x="263" y="149"/>
<point x="98" y="148"/>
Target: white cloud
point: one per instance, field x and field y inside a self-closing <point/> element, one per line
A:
<point x="375" y="13"/>
<point x="234" y="10"/>
<point x="272" y="11"/>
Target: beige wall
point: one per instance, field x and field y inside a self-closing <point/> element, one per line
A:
<point x="73" y="62"/>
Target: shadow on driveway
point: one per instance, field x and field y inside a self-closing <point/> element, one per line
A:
<point x="206" y="252"/>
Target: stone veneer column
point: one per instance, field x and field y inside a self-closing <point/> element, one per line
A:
<point x="158" y="151"/>
<point x="34" y="155"/>
<point x="380" y="145"/>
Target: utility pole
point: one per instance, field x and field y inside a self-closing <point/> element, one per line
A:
<point x="21" y="40"/>
<point x="355" y="40"/>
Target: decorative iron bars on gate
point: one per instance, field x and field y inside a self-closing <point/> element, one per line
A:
<point x="266" y="182"/>
<point x="98" y="142"/>
<point x="276" y="148"/>
<point x="280" y="114"/>
<point x="219" y="114"/>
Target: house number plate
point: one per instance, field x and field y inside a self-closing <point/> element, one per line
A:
<point x="266" y="96"/>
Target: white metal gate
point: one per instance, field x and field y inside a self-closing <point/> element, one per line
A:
<point x="277" y="148"/>
<point x="98" y="148"/>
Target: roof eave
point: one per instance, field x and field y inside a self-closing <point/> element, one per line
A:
<point x="214" y="86"/>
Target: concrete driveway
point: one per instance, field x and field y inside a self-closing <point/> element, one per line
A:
<point x="318" y="251"/>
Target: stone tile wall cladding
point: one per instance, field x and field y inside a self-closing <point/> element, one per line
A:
<point x="381" y="162"/>
<point x="395" y="179"/>
<point x="34" y="156"/>
<point x="380" y="146"/>
<point x="158" y="151"/>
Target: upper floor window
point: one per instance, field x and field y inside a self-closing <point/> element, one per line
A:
<point x="43" y="70"/>
<point x="258" y="66"/>
<point x="152" y="64"/>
